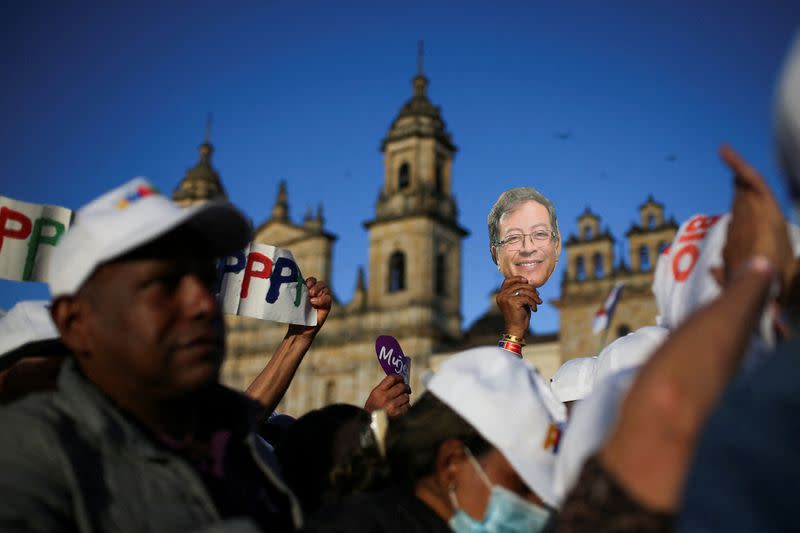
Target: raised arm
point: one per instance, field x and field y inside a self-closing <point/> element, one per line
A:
<point x="272" y="382"/>
<point x="650" y="450"/>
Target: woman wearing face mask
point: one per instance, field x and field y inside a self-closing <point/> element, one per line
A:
<point x="492" y="471"/>
<point x="474" y="453"/>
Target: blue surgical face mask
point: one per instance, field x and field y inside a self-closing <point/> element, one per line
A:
<point x="506" y="512"/>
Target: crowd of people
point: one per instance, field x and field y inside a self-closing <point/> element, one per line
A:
<point x="113" y="417"/>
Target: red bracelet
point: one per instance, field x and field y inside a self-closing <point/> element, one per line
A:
<point x="512" y="347"/>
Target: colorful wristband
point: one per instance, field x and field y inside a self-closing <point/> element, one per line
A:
<point x="512" y="347"/>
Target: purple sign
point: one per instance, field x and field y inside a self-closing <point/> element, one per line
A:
<point x="391" y="357"/>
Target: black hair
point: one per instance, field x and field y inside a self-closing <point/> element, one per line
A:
<point x="414" y="439"/>
<point x="328" y="454"/>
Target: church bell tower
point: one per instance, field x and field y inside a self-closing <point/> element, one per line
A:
<point x="415" y="239"/>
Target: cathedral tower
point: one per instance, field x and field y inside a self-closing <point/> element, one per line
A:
<point x="591" y="273"/>
<point x="201" y="182"/>
<point x="415" y="239"/>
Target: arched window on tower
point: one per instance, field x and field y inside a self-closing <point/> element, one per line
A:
<point x="587" y="232"/>
<point x="599" y="270"/>
<point x="441" y="275"/>
<point x="651" y="221"/>
<point x="404" y="176"/>
<point x="580" y="268"/>
<point x="397" y="272"/>
<point x="644" y="258"/>
<point x="439" y="177"/>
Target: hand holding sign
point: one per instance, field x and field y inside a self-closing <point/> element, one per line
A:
<point x="391" y="357"/>
<point x="392" y="395"/>
<point x="517" y="299"/>
<point x="265" y="282"/>
<point x="319" y="295"/>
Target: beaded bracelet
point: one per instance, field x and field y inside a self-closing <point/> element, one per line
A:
<point x="512" y="347"/>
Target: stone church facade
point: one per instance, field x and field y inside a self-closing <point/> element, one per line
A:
<point x="413" y="290"/>
<point x="592" y="273"/>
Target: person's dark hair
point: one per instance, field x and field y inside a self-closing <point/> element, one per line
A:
<point x="328" y="454"/>
<point x="414" y="439"/>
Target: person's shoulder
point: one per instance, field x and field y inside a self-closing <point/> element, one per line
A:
<point x="32" y="431"/>
<point x="33" y="413"/>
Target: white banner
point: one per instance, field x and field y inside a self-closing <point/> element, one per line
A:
<point x="263" y="281"/>
<point x="28" y="234"/>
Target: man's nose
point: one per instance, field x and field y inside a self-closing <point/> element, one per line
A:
<point x="197" y="296"/>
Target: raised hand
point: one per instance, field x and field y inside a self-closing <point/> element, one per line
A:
<point x="517" y="299"/>
<point x="320" y="297"/>
<point x="391" y="395"/>
<point x="757" y="227"/>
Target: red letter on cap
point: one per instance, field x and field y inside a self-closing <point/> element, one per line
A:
<point x="682" y="274"/>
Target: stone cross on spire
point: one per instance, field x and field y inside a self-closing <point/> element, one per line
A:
<point x="420" y="82"/>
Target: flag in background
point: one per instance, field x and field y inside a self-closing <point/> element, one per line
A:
<point x="602" y="318"/>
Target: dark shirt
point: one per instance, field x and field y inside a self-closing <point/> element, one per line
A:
<point x="390" y="510"/>
<point x="72" y="461"/>
<point x="222" y="462"/>
<point x="746" y="471"/>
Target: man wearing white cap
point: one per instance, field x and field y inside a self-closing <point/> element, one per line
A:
<point x="139" y="435"/>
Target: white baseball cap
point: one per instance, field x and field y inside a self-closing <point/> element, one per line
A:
<point x="683" y="281"/>
<point x="590" y="425"/>
<point x="574" y="379"/>
<point x="28" y="322"/>
<point x="632" y="350"/>
<point x="787" y="121"/>
<point x="510" y="405"/>
<point x="131" y="216"/>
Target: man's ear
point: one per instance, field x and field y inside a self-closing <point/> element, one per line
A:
<point x="69" y="315"/>
<point x="493" y="252"/>
<point x="449" y="458"/>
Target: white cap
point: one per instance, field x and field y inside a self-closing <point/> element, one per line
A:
<point x="787" y="120"/>
<point x="574" y="379"/>
<point x="27" y="322"/>
<point x="131" y="216"/>
<point x="510" y="405"/>
<point x="682" y="281"/>
<point x="589" y="427"/>
<point x="629" y="351"/>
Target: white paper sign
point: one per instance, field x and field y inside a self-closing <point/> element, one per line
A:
<point x="263" y="281"/>
<point x="28" y="234"/>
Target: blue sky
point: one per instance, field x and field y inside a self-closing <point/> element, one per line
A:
<point x="94" y="94"/>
